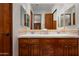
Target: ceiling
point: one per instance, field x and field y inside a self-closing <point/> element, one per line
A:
<point x="42" y="7"/>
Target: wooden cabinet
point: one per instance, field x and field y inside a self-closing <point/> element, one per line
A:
<point x="48" y="46"/>
<point x="54" y="25"/>
<point x="49" y="22"/>
<point x="29" y="47"/>
<point x="1" y="44"/>
<point x="46" y="50"/>
<point x="37" y="21"/>
<point x="68" y="47"/>
<point x="37" y="25"/>
<point x="5" y="29"/>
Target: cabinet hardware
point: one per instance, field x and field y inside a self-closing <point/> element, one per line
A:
<point x="3" y="53"/>
<point x="65" y="46"/>
<point x="70" y="46"/>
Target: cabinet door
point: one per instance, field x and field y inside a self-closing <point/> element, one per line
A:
<point x="54" y="24"/>
<point x="24" y="50"/>
<point x="47" y="50"/>
<point x="73" y="51"/>
<point x="78" y="47"/>
<point x="48" y="21"/>
<point x="34" y="50"/>
<point x="7" y="17"/>
<point x="34" y="46"/>
<point x="29" y="47"/>
<point x="1" y="18"/>
<point x="7" y="45"/>
<point x="70" y="51"/>
<point x="47" y="46"/>
<point x="59" y="49"/>
<point x="1" y="30"/>
<point x="71" y="47"/>
<point x="5" y="28"/>
<point x="65" y="51"/>
<point x="1" y="46"/>
<point x="67" y="47"/>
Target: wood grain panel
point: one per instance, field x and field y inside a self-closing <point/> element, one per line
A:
<point x="37" y="25"/>
<point x="49" y="46"/>
<point x="6" y="45"/>
<point x="6" y="28"/>
<point x="1" y="18"/>
<point x="1" y="45"/>
<point x="54" y="25"/>
<point x="35" y="50"/>
<point x="48" y="21"/>
<point x="6" y="17"/>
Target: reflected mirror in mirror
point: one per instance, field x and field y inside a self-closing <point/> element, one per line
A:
<point x="25" y="19"/>
<point x="73" y="18"/>
<point x="23" y="16"/>
<point x="67" y="19"/>
<point x="70" y="16"/>
<point x="62" y="20"/>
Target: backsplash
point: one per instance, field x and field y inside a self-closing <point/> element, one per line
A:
<point x="44" y="31"/>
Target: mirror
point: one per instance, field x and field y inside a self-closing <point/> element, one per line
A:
<point x="38" y="17"/>
<point x="68" y="17"/>
<point x="25" y="19"/>
<point x="74" y="19"/>
<point x="62" y="20"/>
<point x="44" y="17"/>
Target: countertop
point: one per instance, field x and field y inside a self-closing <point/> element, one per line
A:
<point x="53" y="35"/>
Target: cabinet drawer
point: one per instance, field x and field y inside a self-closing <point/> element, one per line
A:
<point x="23" y="43"/>
<point x="71" y="42"/>
<point x="34" y="41"/>
<point x="23" y="40"/>
<point x="29" y="41"/>
<point x="67" y="42"/>
<point x="48" y="41"/>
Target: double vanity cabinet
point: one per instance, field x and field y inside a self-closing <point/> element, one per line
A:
<point x="48" y="46"/>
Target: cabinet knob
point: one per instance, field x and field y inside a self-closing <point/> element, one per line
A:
<point x="65" y="46"/>
<point x="7" y="34"/>
<point x="3" y="53"/>
<point x="70" y="46"/>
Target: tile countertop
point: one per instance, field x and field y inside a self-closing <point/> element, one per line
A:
<point x="53" y="35"/>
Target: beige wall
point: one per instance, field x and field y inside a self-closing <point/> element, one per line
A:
<point x="17" y="23"/>
<point x="16" y="26"/>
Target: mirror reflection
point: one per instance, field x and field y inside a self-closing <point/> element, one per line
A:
<point x="68" y="17"/>
<point x="45" y="16"/>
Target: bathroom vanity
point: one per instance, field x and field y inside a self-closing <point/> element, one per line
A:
<point x="48" y="45"/>
<point x="54" y="43"/>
